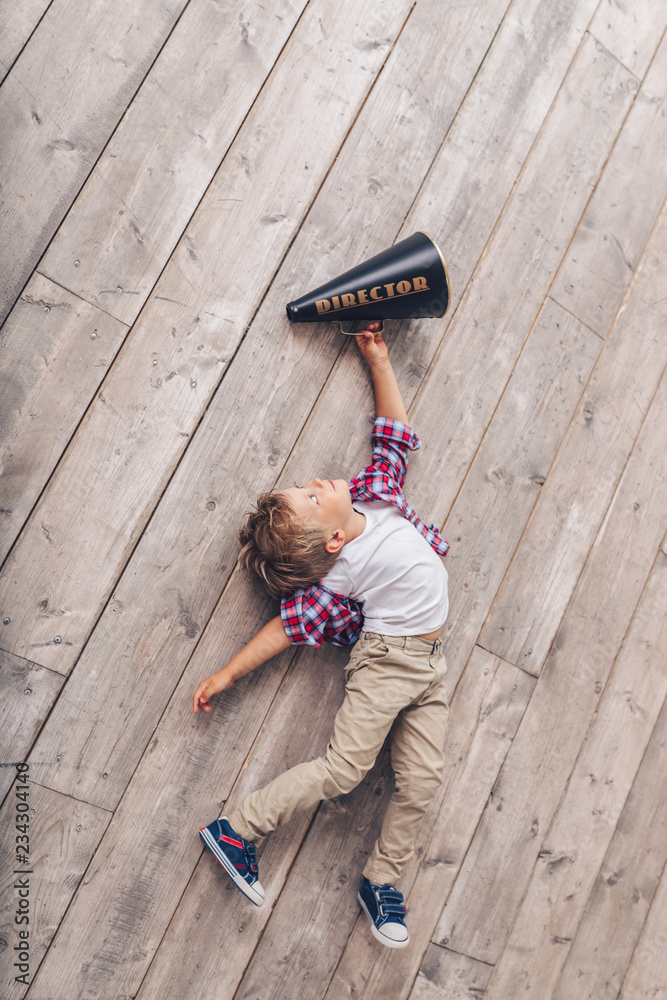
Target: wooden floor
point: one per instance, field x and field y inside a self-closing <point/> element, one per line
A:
<point x="173" y="172"/>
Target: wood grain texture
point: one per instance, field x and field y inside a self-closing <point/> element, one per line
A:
<point x="624" y="888"/>
<point x="604" y="254"/>
<point x="63" y="834"/>
<point x="58" y="107"/>
<point x="55" y="351"/>
<point x="296" y="727"/>
<point x="531" y="601"/>
<point x="119" y="234"/>
<point x="630" y="29"/>
<point x="486" y="710"/>
<point x="647" y="974"/>
<point x="17" y="23"/>
<point x="513" y="131"/>
<point x="584" y="824"/>
<point x="448" y="976"/>
<point x="27" y="692"/>
<point x="186" y="555"/>
<point x="496" y="315"/>
<point x="138" y="427"/>
<point x="478" y="915"/>
<point x="503" y="483"/>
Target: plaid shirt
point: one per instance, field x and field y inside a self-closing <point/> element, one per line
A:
<point x="315" y="614"/>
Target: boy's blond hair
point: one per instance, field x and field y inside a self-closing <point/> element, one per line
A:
<point x="285" y="550"/>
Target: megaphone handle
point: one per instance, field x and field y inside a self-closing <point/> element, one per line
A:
<point x="360" y="325"/>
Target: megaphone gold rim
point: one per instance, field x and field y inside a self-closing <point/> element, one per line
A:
<point x="442" y="261"/>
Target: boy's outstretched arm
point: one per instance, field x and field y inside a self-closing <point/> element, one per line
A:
<point x="388" y="399"/>
<point x="268" y="642"/>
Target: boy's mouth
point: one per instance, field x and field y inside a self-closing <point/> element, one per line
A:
<point x="332" y="485"/>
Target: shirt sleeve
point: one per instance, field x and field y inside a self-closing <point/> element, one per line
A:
<point x="316" y="614"/>
<point x="392" y="440"/>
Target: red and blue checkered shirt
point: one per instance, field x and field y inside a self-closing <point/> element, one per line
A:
<point x="316" y="614"/>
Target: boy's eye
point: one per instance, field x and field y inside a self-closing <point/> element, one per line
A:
<point x="311" y="496"/>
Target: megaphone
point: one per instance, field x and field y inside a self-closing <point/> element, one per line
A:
<point x="408" y="281"/>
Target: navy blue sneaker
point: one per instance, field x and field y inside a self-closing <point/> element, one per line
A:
<point x="237" y="857"/>
<point x="385" y="910"/>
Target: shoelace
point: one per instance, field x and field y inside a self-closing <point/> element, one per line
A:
<point x="390" y="900"/>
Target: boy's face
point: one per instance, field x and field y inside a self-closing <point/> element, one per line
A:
<point x="324" y="501"/>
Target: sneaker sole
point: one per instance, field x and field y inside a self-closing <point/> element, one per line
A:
<point x="249" y="891"/>
<point x="387" y="941"/>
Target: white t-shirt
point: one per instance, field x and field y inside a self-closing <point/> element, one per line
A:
<point x="393" y="572"/>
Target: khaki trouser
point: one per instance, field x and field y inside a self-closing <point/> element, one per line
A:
<point x="393" y="684"/>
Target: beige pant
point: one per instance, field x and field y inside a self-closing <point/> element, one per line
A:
<point x="393" y="684"/>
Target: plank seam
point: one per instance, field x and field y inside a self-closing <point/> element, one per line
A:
<point x="398" y="231"/>
<point x="39" y="666"/>
<point x="565" y="788"/>
<point x="619" y="995"/>
<point x="93" y="305"/>
<point x="455" y="118"/>
<point x="548" y="295"/>
<point x="574" y="315"/>
<point x="612" y="327"/>
<point x="615" y="57"/>
<point x="97" y="160"/>
<point x="443" y="947"/>
<point x="129" y="557"/>
<point x="594" y="881"/>
<point x="517" y="666"/>
<point x="66" y="795"/>
<point x="122" y="346"/>
<point x="538" y="136"/>
<point x="206" y="189"/>
<point x="20" y="53"/>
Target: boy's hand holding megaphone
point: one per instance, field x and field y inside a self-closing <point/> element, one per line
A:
<point x="371" y="344"/>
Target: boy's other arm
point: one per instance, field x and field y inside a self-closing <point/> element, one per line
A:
<point x="388" y="399"/>
<point x="268" y="642"/>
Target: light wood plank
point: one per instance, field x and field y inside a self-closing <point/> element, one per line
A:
<point x="297" y="728"/>
<point x="487" y="707"/>
<point x="149" y="853"/>
<point x="17" y="23"/>
<point x="63" y="835"/>
<point x="530" y="604"/>
<point x="58" y="106"/>
<point x="630" y="29"/>
<point x="55" y="350"/>
<point x="647" y="976"/>
<point x="480" y="910"/>
<point x="188" y="551"/>
<point x="448" y="976"/>
<point x="502" y="486"/>
<point x="478" y="367"/>
<point x="625" y="886"/>
<point x="496" y="314"/>
<point x="607" y="248"/>
<point x="139" y="199"/>
<point x="486" y="711"/>
<point x="27" y="692"/>
<point x="109" y="482"/>
<point x="581" y="831"/>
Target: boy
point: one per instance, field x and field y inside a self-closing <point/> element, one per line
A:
<point x="355" y="566"/>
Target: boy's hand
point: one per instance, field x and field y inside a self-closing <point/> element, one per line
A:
<point x="372" y="346"/>
<point x="268" y="642"/>
<point x="212" y="685"/>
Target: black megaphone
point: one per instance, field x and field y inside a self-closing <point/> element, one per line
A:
<point x="408" y="281"/>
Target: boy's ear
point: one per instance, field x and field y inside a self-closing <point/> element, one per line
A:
<point x="336" y="541"/>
